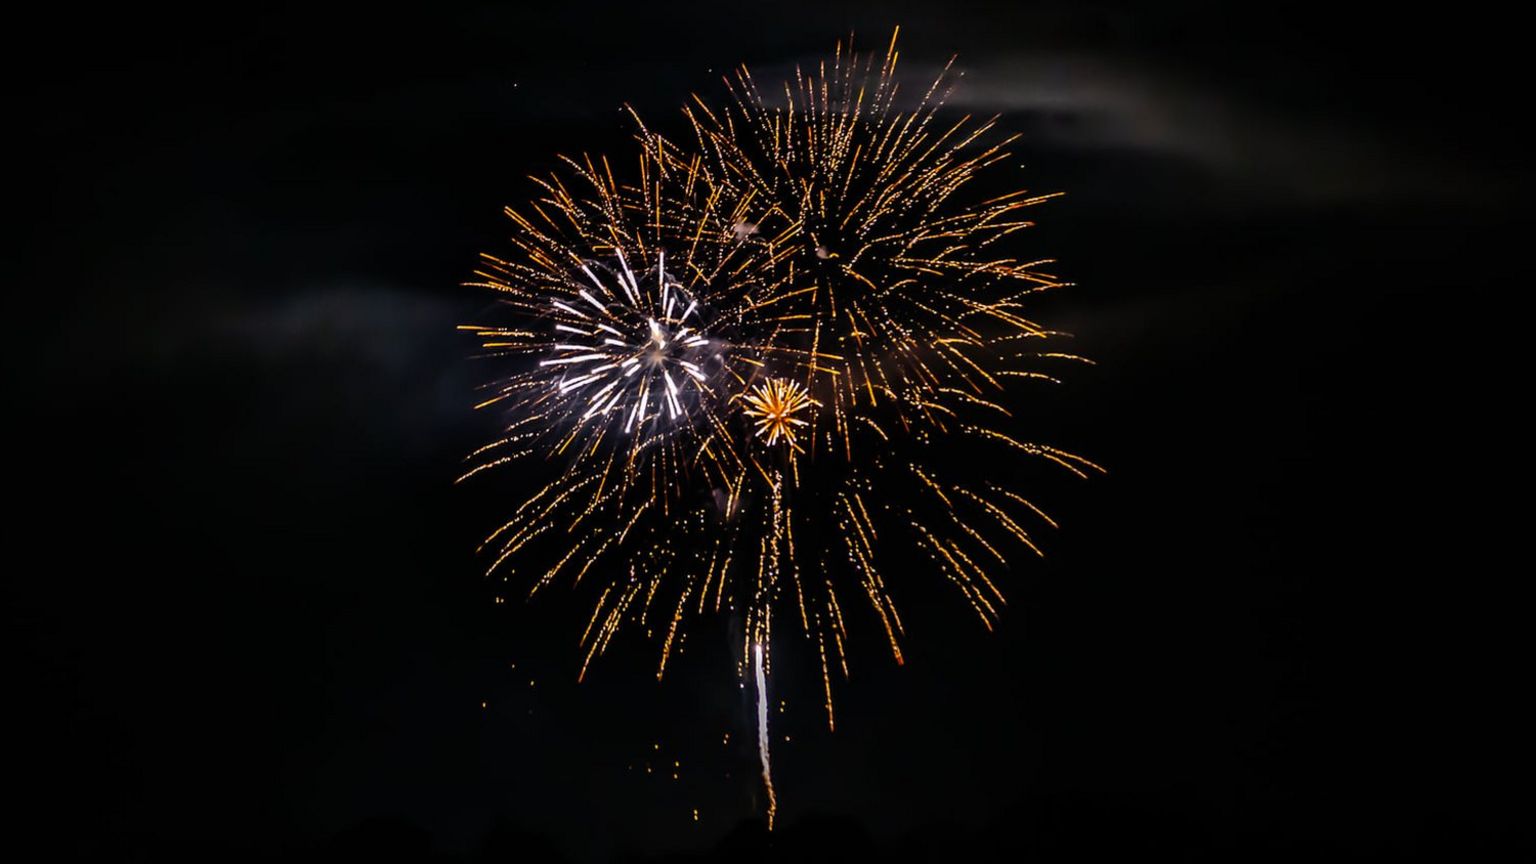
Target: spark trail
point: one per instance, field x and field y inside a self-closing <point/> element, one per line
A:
<point x="762" y="731"/>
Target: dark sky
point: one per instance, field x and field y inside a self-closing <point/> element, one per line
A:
<point x="250" y="616"/>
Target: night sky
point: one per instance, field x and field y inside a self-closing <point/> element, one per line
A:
<point x="251" y="619"/>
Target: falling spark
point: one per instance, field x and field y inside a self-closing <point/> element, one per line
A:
<point x="762" y="731"/>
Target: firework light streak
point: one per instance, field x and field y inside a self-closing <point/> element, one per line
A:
<point x="762" y="731"/>
<point x="812" y="282"/>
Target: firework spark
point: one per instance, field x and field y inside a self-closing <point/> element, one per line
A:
<point x="817" y="269"/>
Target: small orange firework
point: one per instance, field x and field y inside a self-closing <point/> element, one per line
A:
<point x="774" y="406"/>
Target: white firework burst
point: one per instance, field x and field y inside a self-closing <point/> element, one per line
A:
<point x="628" y="349"/>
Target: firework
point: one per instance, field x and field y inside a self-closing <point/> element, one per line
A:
<point x="775" y="407"/>
<point x="886" y="293"/>
<point x="812" y="281"/>
<point x="631" y="349"/>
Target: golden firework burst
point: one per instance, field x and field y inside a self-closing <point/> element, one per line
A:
<point x="774" y="405"/>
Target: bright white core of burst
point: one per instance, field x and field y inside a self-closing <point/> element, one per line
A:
<point x="631" y="351"/>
